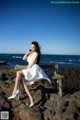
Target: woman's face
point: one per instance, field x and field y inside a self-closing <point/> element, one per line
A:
<point x="33" y="48"/>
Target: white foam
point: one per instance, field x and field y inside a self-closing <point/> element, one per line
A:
<point x="16" y="57"/>
<point x="70" y="60"/>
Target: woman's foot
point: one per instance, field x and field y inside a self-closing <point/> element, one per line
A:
<point x="32" y="104"/>
<point x="13" y="95"/>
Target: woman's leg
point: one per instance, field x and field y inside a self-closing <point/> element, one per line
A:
<point x="26" y="89"/>
<point x="18" y="78"/>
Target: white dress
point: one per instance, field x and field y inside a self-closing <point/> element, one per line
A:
<point x="34" y="73"/>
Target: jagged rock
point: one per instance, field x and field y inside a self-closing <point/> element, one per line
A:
<point x="71" y="81"/>
<point x="49" y="105"/>
<point x="76" y="95"/>
<point x="78" y="118"/>
<point x="71" y="112"/>
<point x="15" y="103"/>
<point x="62" y="104"/>
<point x="48" y="115"/>
<point x="78" y="103"/>
<point x="6" y="74"/>
<point x="2" y="100"/>
<point x="30" y="114"/>
<point x="54" y="97"/>
<point x="3" y="76"/>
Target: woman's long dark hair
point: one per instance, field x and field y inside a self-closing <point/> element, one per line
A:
<point x="37" y="50"/>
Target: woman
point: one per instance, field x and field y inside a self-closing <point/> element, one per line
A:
<point x="32" y="73"/>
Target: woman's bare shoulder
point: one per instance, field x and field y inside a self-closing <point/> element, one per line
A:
<point x="35" y="53"/>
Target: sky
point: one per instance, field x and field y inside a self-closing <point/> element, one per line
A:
<point x="56" y="27"/>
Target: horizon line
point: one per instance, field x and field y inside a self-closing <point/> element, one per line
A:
<point x="43" y="54"/>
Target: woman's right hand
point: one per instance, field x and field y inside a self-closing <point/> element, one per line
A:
<point x="26" y="55"/>
<point x="29" y="51"/>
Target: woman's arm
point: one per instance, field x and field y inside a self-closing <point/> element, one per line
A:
<point x="26" y="55"/>
<point x="34" y="59"/>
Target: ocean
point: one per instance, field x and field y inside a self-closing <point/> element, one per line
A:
<point x="61" y="60"/>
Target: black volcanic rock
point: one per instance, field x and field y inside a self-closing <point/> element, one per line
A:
<point x="3" y="63"/>
<point x="48" y="104"/>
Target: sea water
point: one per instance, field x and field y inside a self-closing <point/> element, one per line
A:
<point x="46" y="59"/>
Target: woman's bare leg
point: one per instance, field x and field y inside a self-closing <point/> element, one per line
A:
<point x="27" y="90"/>
<point x="18" y="78"/>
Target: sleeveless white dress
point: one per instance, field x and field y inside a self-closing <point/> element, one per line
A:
<point x="34" y="73"/>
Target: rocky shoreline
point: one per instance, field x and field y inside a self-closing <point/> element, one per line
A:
<point x="3" y="63"/>
<point x="48" y="104"/>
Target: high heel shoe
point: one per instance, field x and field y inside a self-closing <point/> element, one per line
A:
<point x="13" y="96"/>
<point x="32" y="104"/>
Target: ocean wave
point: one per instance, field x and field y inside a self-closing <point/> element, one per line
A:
<point x="60" y="62"/>
<point x="16" y="57"/>
<point x="70" y="60"/>
<point x="52" y="62"/>
<point x="64" y="62"/>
